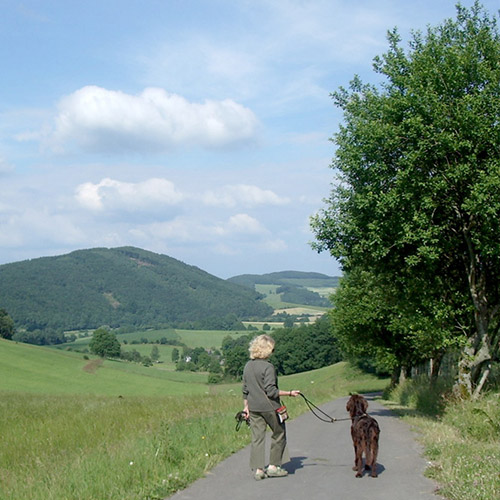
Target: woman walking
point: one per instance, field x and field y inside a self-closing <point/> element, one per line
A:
<point x="261" y="400"/>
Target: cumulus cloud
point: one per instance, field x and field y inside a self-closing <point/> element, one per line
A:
<point x="110" y="194"/>
<point x="35" y="227"/>
<point x="195" y="229"/>
<point x="95" y="119"/>
<point x="242" y="194"/>
<point x="245" y="224"/>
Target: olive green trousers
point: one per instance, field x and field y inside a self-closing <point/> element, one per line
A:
<point x="259" y="421"/>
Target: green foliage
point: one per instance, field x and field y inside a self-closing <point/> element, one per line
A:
<point x="6" y="325"/>
<point x="376" y="324"/>
<point x="297" y="295"/>
<point x="235" y="353"/>
<point x="175" y="354"/>
<point x="48" y="336"/>
<point x="417" y="205"/>
<point x="121" y="287"/>
<point x="305" y="348"/>
<point x="105" y="344"/>
<point x="155" y="353"/>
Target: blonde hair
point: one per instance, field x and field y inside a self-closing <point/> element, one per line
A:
<point x="261" y="347"/>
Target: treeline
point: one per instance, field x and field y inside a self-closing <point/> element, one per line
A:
<point x="298" y="349"/>
<point x="299" y="295"/>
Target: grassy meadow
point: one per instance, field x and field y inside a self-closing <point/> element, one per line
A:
<point x="119" y="434"/>
<point x="34" y="369"/>
<point x="93" y="429"/>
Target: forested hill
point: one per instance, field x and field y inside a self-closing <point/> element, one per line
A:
<point x="293" y="286"/>
<point x="117" y="287"/>
<point x="297" y="278"/>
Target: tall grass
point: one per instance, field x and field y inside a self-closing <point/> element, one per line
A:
<point x="57" y="447"/>
<point x="461" y="438"/>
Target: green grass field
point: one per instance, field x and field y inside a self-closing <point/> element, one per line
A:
<point x="42" y="370"/>
<point x="89" y="429"/>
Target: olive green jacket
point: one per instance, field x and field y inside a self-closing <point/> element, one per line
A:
<point x="260" y="386"/>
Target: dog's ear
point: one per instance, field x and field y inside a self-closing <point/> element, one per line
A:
<point x="365" y="405"/>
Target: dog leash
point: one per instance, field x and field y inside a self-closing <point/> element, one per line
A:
<point x="240" y="418"/>
<point x="311" y="405"/>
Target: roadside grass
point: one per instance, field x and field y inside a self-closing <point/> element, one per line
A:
<point x="81" y="446"/>
<point x="461" y="438"/>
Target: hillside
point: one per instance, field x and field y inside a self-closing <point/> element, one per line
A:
<point x="306" y="288"/>
<point x="41" y="370"/>
<point x="116" y="287"/>
<point x="297" y="278"/>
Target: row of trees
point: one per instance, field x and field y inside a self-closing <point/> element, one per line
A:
<point x="105" y="344"/>
<point x="414" y="217"/>
<point x="299" y="349"/>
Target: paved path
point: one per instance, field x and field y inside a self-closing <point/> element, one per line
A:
<point x="321" y="465"/>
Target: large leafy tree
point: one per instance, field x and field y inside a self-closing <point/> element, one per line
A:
<point x="418" y="196"/>
<point x="105" y="344"/>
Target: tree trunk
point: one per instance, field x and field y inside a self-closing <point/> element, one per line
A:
<point x="478" y="349"/>
<point x="435" y="367"/>
<point x="403" y="374"/>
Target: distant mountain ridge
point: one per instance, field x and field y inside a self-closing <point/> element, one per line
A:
<point x="297" y="278"/>
<point x="294" y="286"/>
<point x="117" y="287"/>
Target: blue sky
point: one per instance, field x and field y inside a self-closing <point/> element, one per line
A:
<point x="195" y="129"/>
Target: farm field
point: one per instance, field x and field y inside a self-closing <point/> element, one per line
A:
<point x="274" y="299"/>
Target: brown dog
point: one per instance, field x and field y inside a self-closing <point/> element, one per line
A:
<point x="365" y="433"/>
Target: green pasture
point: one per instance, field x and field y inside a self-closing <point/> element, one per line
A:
<point x="206" y="338"/>
<point x="34" y="369"/>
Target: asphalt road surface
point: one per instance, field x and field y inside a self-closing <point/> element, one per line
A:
<point x="321" y="464"/>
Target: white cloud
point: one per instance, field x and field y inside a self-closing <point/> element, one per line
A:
<point x="197" y="229"/>
<point x="95" y="119"/>
<point x="110" y="194"/>
<point x="244" y="223"/>
<point x="35" y="227"/>
<point x="242" y="194"/>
